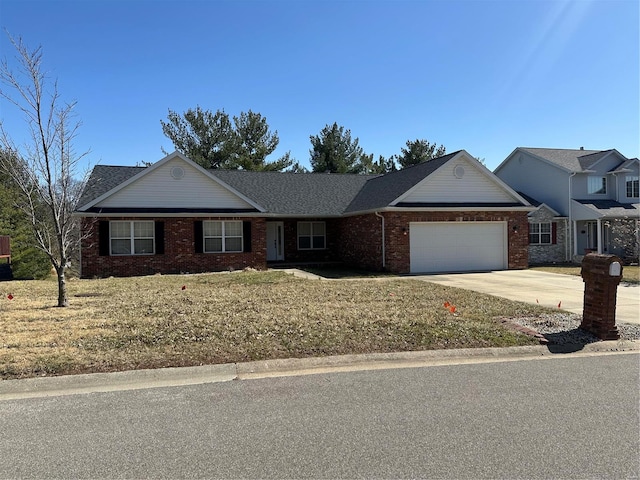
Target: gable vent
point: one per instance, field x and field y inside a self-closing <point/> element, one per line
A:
<point x="458" y="171"/>
<point x="177" y="172"/>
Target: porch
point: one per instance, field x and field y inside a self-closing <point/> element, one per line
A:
<point x="610" y="236"/>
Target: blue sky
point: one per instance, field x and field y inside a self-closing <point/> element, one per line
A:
<point x="484" y="76"/>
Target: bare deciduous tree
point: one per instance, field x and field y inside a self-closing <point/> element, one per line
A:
<point x="45" y="168"/>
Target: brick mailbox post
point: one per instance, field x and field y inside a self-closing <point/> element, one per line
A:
<point x="601" y="275"/>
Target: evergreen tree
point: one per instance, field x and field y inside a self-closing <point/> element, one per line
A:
<point x="254" y="142"/>
<point x="419" y="151"/>
<point x="213" y="141"/>
<point x="27" y="261"/>
<point x="334" y="151"/>
<point x="206" y="138"/>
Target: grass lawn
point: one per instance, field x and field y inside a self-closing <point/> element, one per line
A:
<point x="147" y="322"/>
<point x="630" y="273"/>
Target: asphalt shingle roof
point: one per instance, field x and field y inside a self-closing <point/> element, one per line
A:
<point x="303" y="194"/>
<point x="611" y="208"/>
<point x="573" y="160"/>
<point x="380" y="191"/>
<point x="103" y="178"/>
<point x="309" y="194"/>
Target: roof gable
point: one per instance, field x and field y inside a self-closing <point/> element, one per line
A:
<point x="569" y="160"/>
<point x="187" y="184"/>
<point x="461" y="179"/>
<point x="381" y="191"/>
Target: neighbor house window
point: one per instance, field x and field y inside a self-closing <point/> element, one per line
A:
<point x="222" y="236"/>
<point x="312" y="235"/>
<point x="597" y="185"/>
<point x="540" y="233"/>
<point x="632" y="186"/>
<point x="132" y="238"/>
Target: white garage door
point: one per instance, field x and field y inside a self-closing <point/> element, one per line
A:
<point x="458" y="246"/>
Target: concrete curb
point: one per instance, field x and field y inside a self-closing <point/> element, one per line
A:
<point x="167" y="377"/>
<point x="116" y="381"/>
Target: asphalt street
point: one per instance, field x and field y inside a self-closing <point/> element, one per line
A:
<point x="560" y="417"/>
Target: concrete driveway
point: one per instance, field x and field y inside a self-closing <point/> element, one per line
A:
<point x="543" y="288"/>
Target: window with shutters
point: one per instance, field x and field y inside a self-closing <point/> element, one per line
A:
<point x="131" y="238"/>
<point x="540" y="233"/>
<point x="222" y="236"/>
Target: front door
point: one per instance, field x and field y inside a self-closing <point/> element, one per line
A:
<point x="275" y="241"/>
<point x="592" y="236"/>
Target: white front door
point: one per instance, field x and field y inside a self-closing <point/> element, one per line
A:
<point x="275" y="241"/>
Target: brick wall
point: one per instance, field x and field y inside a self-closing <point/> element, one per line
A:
<point x="361" y="241"/>
<point x="179" y="251"/>
<point x="361" y="238"/>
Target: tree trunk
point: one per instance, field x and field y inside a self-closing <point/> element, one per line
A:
<point x="63" y="300"/>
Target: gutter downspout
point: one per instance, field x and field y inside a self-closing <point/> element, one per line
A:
<point x="384" y="263"/>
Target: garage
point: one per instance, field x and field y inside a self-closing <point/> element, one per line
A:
<point x="457" y="246"/>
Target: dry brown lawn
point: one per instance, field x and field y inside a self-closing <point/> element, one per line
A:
<point x="148" y="322"/>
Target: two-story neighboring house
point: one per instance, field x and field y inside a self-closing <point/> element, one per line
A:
<point x="587" y="200"/>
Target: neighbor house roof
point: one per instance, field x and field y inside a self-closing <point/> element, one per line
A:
<point x="574" y="160"/>
<point x="611" y="208"/>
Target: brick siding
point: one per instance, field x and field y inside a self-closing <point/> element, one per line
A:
<point x="361" y="237"/>
<point x="356" y="241"/>
<point x="179" y="251"/>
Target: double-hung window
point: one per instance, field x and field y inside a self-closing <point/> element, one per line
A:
<point x="632" y="186"/>
<point x="312" y="235"/>
<point x="597" y="185"/>
<point x="540" y="233"/>
<point x="222" y="236"/>
<point x="132" y="238"/>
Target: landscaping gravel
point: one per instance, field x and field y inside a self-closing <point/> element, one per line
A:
<point x="563" y="328"/>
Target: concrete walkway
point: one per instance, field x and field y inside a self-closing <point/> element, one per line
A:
<point x="543" y="288"/>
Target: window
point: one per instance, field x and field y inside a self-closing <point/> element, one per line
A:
<point x="132" y="238"/>
<point x="597" y="186"/>
<point x="632" y="186"/>
<point x="222" y="236"/>
<point x="540" y="233"/>
<point x="311" y="236"/>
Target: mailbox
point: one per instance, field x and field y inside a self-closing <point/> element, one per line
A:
<point x="601" y="275"/>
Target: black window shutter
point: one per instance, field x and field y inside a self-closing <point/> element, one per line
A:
<point x="197" y="235"/>
<point x="103" y="238"/>
<point x="554" y="233"/>
<point x="246" y="235"/>
<point x="159" y="226"/>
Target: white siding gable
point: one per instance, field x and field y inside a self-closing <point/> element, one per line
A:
<point x="461" y="180"/>
<point x="159" y="189"/>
